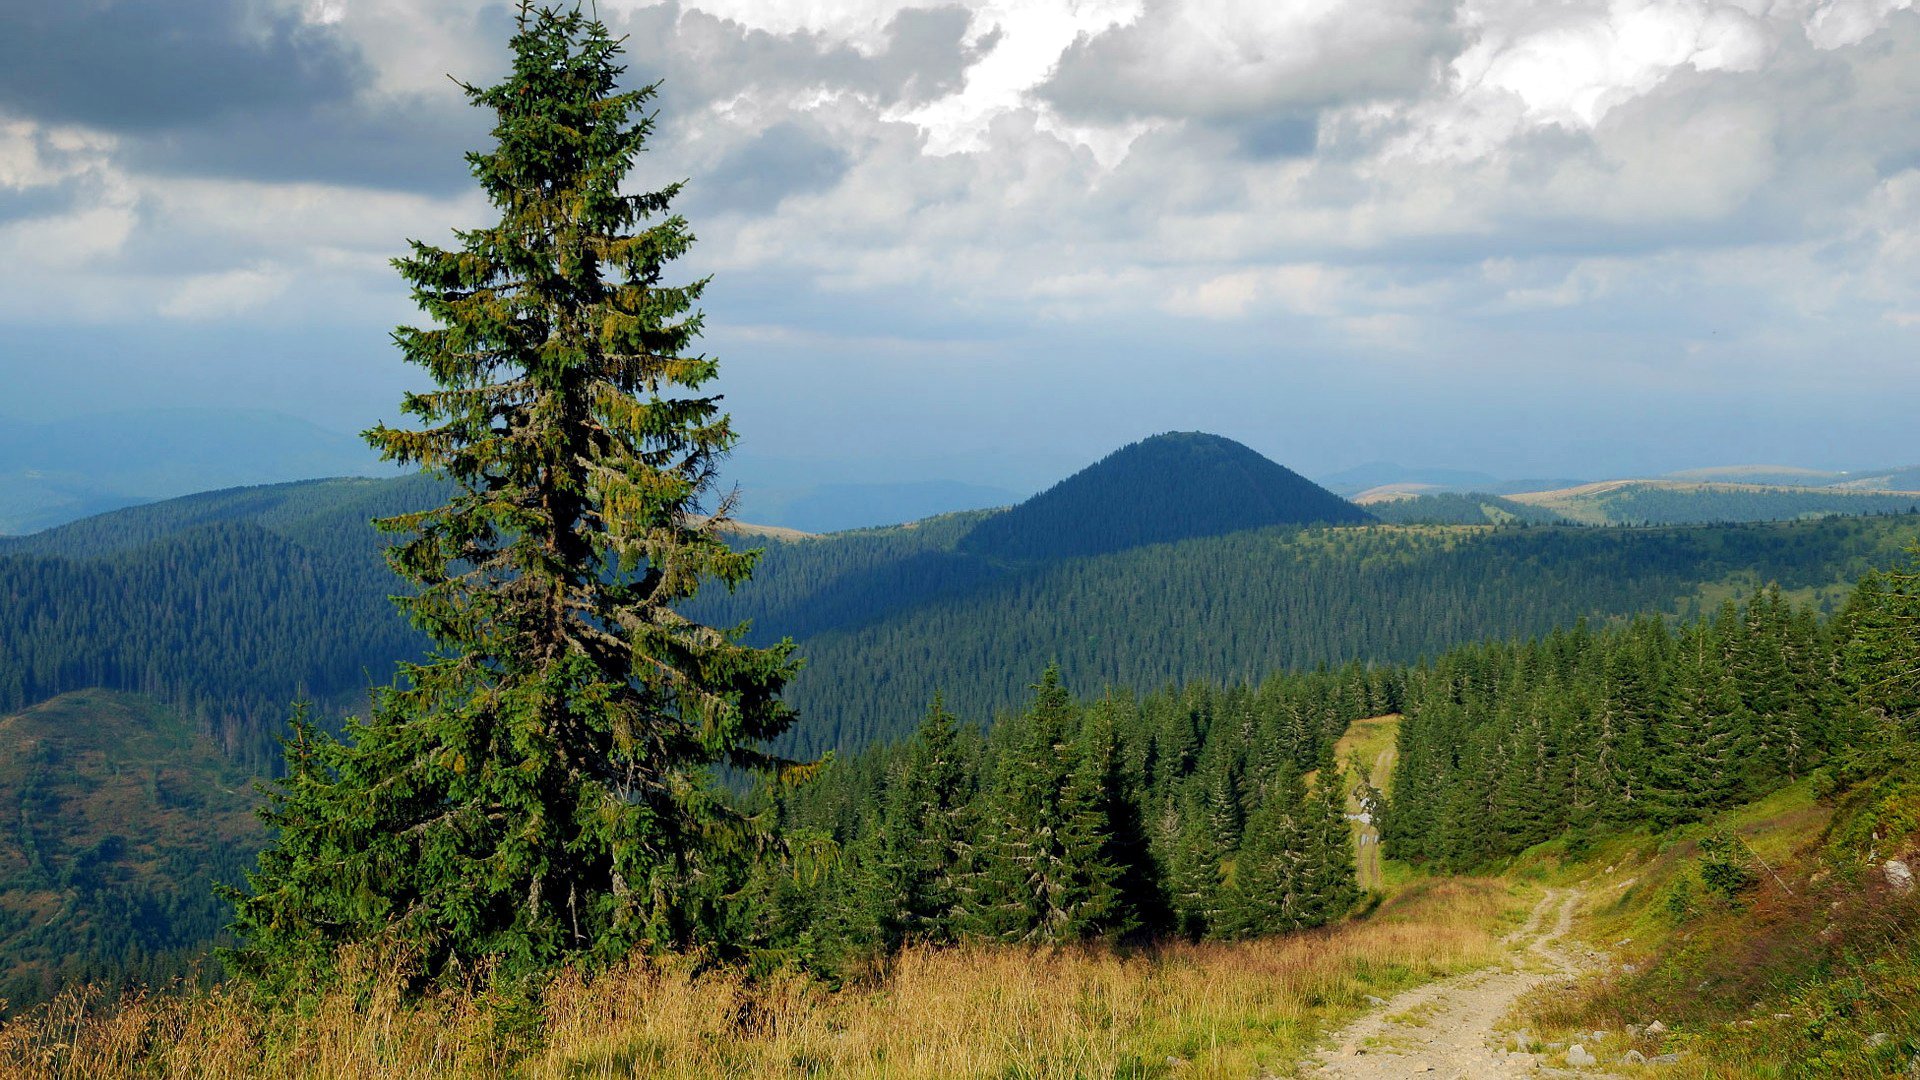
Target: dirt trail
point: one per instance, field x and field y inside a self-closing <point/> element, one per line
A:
<point x="1445" y="1029"/>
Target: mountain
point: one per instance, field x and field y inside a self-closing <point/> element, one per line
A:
<point x="57" y="471"/>
<point x="121" y="815"/>
<point x="1170" y="487"/>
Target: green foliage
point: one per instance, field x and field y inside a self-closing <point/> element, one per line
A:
<point x="1121" y="817"/>
<point x="1727" y="865"/>
<point x="888" y="618"/>
<point x="119" y="817"/>
<point x="1506" y="746"/>
<point x="1171" y="487"/>
<point x="539" y="789"/>
<point x="1457" y="508"/>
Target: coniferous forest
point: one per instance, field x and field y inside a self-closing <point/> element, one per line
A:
<point x="557" y="769"/>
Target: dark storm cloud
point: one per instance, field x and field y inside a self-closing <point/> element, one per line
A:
<point x="135" y="65"/>
<point x="403" y="144"/>
<point x="221" y="88"/>
<point x="785" y="159"/>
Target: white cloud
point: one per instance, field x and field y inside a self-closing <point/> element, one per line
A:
<point x="226" y="294"/>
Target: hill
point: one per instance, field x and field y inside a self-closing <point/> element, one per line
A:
<point x="1667" y="502"/>
<point x="1170" y="487"/>
<point x="122" y="817"/>
<point x="58" y="471"/>
<point x="887" y="618"/>
<point x="229" y="605"/>
<point x="1454" y="508"/>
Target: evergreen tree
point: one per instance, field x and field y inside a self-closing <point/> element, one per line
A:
<point x="1267" y="892"/>
<point x="1328" y="877"/>
<point x="539" y="788"/>
<point x="1040" y="872"/>
<point x="921" y="838"/>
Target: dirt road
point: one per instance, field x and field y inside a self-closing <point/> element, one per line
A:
<point x="1445" y="1029"/>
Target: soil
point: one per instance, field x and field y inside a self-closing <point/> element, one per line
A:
<point x="1446" y="1029"/>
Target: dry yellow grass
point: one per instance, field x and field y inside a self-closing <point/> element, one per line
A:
<point x="1212" y="1010"/>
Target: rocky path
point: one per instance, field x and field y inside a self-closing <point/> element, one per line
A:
<point x="1445" y="1029"/>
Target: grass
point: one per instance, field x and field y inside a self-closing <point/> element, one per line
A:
<point x="1809" y="971"/>
<point x="1208" y="1010"/>
<point x="1374" y="742"/>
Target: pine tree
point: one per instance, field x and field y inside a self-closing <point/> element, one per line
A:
<point x="1267" y="890"/>
<point x="1328" y="877"/>
<point x="539" y="788"/>
<point x="1040" y="872"/>
<point x="921" y="838"/>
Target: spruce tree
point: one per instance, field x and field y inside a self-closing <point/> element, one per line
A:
<point x="1040" y="871"/>
<point x="914" y="857"/>
<point x="1266" y="893"/>
<point x="539" y="789"/>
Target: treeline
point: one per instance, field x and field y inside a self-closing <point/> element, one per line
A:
<point x="1586" y="731"/>
<point x="1461" y="508"/>
<point x="228" y="606"/>
<point x="1653" y="504"/>
<point x="1187" y="811"/>
<point x="1239" y="607"/>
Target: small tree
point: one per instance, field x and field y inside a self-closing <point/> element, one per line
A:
<point x="539" y="788"/>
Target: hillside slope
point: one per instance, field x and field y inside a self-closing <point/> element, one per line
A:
<point x="1170" y="487"/>
<point x="1666" y="502"/>
<point x="122" y="818"/>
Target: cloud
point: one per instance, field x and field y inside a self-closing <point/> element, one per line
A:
<point x="1476" y="186"/>
<point x="127" y="65"/>
<point x="1247" y="60"/>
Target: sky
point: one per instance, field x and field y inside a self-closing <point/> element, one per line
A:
<point x="991" y="241"/>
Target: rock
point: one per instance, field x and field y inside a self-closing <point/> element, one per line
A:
<point x="1899" y="875"/>
<point x="1664" y="1059"/>
<point x="1634" y="1057"/>
<point x="1523" y="1040"/>
<point x="1656" y="1028"/>
<point x="1578" y="1057"/>
<point x="1372" y="1000"/>
<point x="1597" y="1035"/>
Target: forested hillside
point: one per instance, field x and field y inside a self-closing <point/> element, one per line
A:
<point x="1239" y="607"/>
<point x="1187" y="811"/>
<point x="231" y="605"/>
<point x="1658" y="502"/>
<point x="1458" y="508"/>
<point x="122" y="817"/>
<point x="1170" y="487"/>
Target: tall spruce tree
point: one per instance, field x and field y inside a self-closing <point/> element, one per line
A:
<point x="539" y="788"/>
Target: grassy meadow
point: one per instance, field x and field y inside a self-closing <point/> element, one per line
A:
<point x="1809" y="970"/>
<point x="1207" y="1010"/>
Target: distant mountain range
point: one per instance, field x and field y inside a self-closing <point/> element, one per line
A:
<point x="180" y="632"/>
<point x="60" y="471"/>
